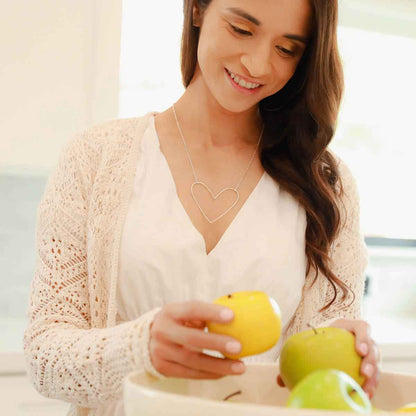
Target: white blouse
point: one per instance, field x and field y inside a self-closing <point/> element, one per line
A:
<point x="163" y="256"/>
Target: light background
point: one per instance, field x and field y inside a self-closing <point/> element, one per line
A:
<point x="69" y="65"/>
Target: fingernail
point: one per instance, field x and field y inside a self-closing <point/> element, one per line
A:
<point x="238" y="367"/>
<point x="364" y="348"/>
<point x="226" y="314"/>
<point x="233" y="347"/>
<point x="368" y="370"/>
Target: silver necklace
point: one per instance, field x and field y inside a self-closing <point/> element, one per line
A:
<point x="197" y="182"/>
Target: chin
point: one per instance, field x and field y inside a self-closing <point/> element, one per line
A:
<point x="230" y="102"/>
<point x="235" y="106"/>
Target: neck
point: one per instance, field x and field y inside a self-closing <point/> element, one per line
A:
<point x="207" y="125"/>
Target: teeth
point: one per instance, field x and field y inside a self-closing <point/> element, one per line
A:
<point x="242" y="83"/>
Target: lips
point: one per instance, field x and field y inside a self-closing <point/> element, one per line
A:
<point x="238" y="87"/>
<point x="244" y="78"/>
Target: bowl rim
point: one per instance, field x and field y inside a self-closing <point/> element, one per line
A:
<point x="238" y="405"/>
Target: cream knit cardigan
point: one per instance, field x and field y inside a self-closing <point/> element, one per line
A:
<point x="73" y="349"/>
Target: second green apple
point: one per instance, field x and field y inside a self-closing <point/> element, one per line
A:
<point x="329" y="389"/>
<point x="317" y="349"/>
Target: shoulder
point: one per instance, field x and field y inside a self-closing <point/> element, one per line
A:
<point x="346" y="175"/>
<point x="349" y="197"/>
<point x="344" y="171"/>
<point x="110" y="139"/>
<point x="112" y="133"/>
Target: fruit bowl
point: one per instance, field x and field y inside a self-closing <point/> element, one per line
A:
<point x="260" y="395"/>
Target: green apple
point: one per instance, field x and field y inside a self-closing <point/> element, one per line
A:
<point x="329" y="389"/>
<point x="316" y="349"/>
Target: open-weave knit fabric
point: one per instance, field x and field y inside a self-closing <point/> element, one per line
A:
<point x="73" y="348"/>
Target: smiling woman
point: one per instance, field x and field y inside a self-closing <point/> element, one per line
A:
<point x="133" y="245"/>
<point x="288" y="49"/>
<point x="261" y="51"/>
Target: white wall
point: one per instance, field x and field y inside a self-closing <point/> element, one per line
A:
<point x="59" y="68"/>
<point x="386" y="16"/>
<point x="59" y="73"/>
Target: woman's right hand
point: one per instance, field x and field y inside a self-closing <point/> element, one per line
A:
<point x="177" y="338"/>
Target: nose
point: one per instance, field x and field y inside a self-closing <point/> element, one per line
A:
<point x="257" y="62"/>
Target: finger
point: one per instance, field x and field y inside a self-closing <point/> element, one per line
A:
<point x="363" y="339"/>
<point x="171" y="369"/>
<point x="195" y="324"/>
<point x="370" y="370"/>
<point x="362" y="331"/>
<point x="371" y="384"/>
<point x="369" y="363"/>
<point x="198" y="310"/>
<point x="200" y="340"/>
<point x="356" y="326"/>
<point x="200" y="361"/>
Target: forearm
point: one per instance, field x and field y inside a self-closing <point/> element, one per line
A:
<point x="85" y="366"/>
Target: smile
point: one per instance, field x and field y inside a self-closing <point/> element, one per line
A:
<point x="242" y="85"/>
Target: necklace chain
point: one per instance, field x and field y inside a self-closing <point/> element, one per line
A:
<point x="202" y="183"/>
<point x="189" y="157"/>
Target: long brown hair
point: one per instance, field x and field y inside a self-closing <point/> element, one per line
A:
<point x="299" y="123"/>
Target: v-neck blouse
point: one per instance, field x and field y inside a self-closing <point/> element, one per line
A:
<point x="163" y="257"/>
<point x="143" y="262"/>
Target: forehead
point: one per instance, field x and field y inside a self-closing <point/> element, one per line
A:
<point x="273" y="15"/>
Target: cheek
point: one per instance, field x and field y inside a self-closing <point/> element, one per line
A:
<point x="207" y="61"/>
<point x="207" y="54"/>
<point x="286" y="70"/>
<point x="283" y="73"/>
<point x="289" y="68"/>
<point x="215" y="50"/>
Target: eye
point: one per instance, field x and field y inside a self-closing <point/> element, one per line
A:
<point x="285" y="51"/>
<point x="240" y="31"/>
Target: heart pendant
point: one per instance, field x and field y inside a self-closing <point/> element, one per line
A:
<point x="215" y="197"/>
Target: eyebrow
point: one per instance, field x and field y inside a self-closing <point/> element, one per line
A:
<point x="252" y="19"/>
<point x="244" y="14"/>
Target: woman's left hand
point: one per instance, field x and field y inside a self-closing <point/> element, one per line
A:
<point x="366" y="347"/>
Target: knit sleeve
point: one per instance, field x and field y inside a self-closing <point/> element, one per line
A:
<point x="349" y="259"/>
<point x="66" y="358"/>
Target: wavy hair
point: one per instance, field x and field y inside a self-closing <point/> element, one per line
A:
<point x="299" y="123"/>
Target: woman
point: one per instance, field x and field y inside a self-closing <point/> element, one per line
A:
<point x="146" y="220"/>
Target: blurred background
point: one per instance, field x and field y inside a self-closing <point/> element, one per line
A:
<point x="66" y="65"/>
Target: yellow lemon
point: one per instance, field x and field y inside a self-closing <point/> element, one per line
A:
<point x="410" y="407"/>
<point x="256" y="324"/>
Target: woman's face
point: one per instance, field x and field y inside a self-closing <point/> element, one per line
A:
<point x="258" y="40"/>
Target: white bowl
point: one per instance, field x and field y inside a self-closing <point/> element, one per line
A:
<point x="145" y="395"/>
